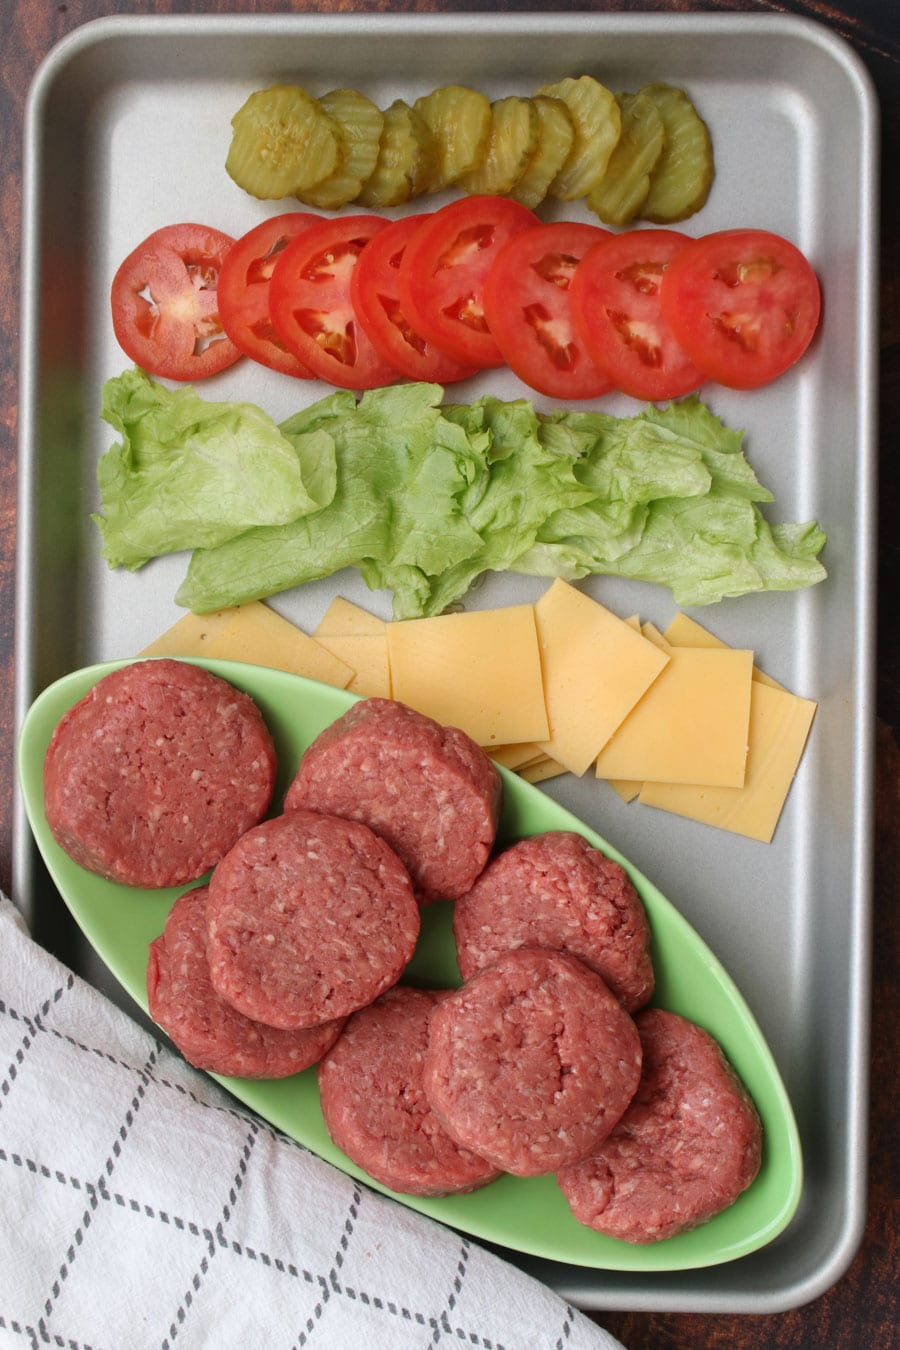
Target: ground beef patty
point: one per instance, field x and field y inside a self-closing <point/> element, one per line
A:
<point x="686" y="1148"/>
<point x="374" y="1104"/>
<point x="555" y="890"/>
<point x="155" y="773"/>
<point x="532" y="1061"/>
<point x="310" y="917"/>
<point x="429" y="790"/>
<point x="208" y="1031"/>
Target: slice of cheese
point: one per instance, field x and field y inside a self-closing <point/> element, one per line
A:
<point x="779" y="726"/>
<point x="545" y="768"/>
<point x="343" y="618"/>
<point x="480" y="670"/>
<point x="692" y="724"/>
<point x="596" y="668"/>
<point x="359" y="639"/>
<point x="256" y="634"/>
<point x="684" y="631"/>
<point x="367" y="656"/>
<point x="517" y="756"/>
<point x="628" y="788"/>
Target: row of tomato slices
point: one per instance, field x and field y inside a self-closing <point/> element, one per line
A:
<point x="574" y="310"/>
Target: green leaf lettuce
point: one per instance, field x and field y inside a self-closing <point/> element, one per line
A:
<point x="423" y="498"/>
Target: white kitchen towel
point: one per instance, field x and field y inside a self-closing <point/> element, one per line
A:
<point x="140" y="1207"/>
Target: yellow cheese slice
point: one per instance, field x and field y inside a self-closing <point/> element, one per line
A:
<point x="516" y="756"/>
<point x="479" y="670"/>
<point x="779" y="726"/>
<point x="692" y="724"/>
<point x="342" y="618"/>
<point x="256" y="634"/>
<point x="628" y="788"/>
<point x="359" y="639"/>
<point x="684" y="631"/>
<point x="545" y="768"/>
<point x="367" y="655"/>
<point x="596" y="668"/>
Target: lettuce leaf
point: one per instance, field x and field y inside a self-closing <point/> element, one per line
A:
<point x="396" y="511"/>
<point x="191" y="473"/>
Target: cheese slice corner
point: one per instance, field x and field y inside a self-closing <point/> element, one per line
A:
<point x="256" y="634"/>
<point x="691" y="726"/>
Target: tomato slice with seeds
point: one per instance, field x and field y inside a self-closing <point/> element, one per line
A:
<point x="443" y="271"/>
<point x="744" y="304"/>
<point x="244" y="291"/>
<point x="375" y="295"/>
<point x="310" y="306"/>
<point x="615" y="297"/>
<point x="528" y="309"/>
<point x="165" y="304"/>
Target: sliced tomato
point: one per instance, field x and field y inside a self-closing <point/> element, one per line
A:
<point x="244" y="290"/>
<point x="311" y="309"/>
<point x="528" y="309"/>
<point x="375" y="295"/>
<point x="443" y="271"/>
<point x="744" y="303"/>
<point x="616" y="306"/>
<point x="165" y="304"/>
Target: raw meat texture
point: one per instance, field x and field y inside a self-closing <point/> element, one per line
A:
<point x="686" y="1148"/>
<point x="429" y="790"/>
<point x="374" y="1104"/>
<point x="310" y="917"/>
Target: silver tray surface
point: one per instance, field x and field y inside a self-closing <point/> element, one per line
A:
<point x="127" y="129"/>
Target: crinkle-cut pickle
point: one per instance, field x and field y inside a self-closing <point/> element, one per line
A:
<point x="597" y="122"/>
<point x="680" y="183"/>
<point x="513" y="138"/>
<point x="283" y="142"/>
<point x="360" y="123"/>
<point x="407" y="159"/>
<point x="459" y="119"/>
<point x="620" y="195"/>
<point x="556" y="134"/>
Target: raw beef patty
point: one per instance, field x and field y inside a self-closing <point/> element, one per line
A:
<point x="208" y="1031"/>
<point x="555" y="890"/>
<point x="374" y="1103"/>
<point x="686" y="1148"/>
<point x="429" y="790"/>
<point x="156" y="772"/>
<point x="310" y="917"/>
<point x="532" y="1061"/>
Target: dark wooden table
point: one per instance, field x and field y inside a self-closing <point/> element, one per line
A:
<point x="861" y="1311"/>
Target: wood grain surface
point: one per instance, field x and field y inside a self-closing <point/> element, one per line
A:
<point x="861" y="1311"/>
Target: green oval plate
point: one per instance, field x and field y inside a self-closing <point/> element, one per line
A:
<point x="529" y="1216"/>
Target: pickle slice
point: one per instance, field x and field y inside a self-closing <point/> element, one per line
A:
<point x="360" y="123"/>
<point x="597" y="122"/>
<point x="556" y="134"/>
<point x="680" y="183"/>
<point x="512" y="141"/>
<point x="406" y="159"/>
<point x="459" y="119"/>
<point x="283" y="142"/>
<point x="619" y="196"/>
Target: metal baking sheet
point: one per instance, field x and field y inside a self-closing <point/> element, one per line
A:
<point x="127" y="129"/>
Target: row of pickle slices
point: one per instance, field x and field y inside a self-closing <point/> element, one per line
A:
<point x="644" y="156"/>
